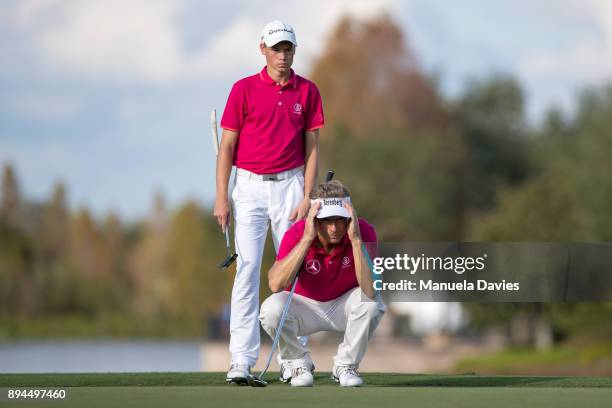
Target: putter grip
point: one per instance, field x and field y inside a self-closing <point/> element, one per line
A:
<point x="213" y="129"/>
<point x="330" y="176"/>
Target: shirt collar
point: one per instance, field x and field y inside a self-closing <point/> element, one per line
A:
<point x="263" y="74"/>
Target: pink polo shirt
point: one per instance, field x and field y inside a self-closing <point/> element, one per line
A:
<point x="271" y="120"/>
<point x="324" y="276"/>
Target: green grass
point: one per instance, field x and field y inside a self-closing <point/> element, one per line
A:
<point x="321" y="379"/>
<point x="382" y="390"/>
<point x="595" y="357"/>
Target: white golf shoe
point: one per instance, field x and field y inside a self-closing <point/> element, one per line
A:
<point x="301" y="375"/>
<point x="347" y="376"/>
<point x="238" y="374"/>
<point x="286" y="371"/>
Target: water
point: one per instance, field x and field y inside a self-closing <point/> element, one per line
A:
<point x="99" y="356"/>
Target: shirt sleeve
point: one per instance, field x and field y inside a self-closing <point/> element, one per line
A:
<point x="235" y="109"/>
<point x="369" y="238"/>
<point x="314" y="116"/>
<point x="289" y="241"/>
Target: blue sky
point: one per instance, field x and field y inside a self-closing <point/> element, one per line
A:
<point x="113" y="97"/>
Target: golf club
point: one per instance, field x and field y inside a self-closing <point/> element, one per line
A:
<point x="252" y="380"/>
<point x="231" y="256"/>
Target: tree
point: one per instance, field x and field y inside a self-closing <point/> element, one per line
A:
<point x="10" y="205"/>
<point x="371" y="83"/>
<point x="388" y="136"/>
<point x="197" y="286"/>
<point x="567" y="200"/>
<point x="148" y="264"/>
<point x="490" y="118"/>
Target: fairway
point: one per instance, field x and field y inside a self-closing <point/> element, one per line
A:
<point x="382" y="390"/>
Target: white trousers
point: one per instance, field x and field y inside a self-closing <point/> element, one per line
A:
<point x="305" y="316"/>
<point x="256" y="203"/>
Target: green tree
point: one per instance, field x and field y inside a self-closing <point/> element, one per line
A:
<point x="567" y="200"/>
<point x="198" y="288"/>
<point x="10" y="203"/>
<point x="490" y="118"/>
<point x="371" y="83"/>
<point x="388" y="136"/>
<point x="148" y="263"/>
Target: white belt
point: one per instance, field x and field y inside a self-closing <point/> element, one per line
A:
<point x="283" y="175"/>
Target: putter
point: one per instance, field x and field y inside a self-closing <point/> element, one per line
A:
<point x="329" y="176"/>
<point x="231" y="256"/>
<point x="259" y="381"/>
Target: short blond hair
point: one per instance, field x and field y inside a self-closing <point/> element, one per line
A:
<point x="331" y="189"/>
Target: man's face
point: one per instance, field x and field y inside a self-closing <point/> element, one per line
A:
<point x="279" y="56"/>
<point x="331" y="230"/>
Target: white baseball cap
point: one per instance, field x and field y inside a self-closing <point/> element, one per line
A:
<point x="277" y="31"/>
<point x="332" y="207"/>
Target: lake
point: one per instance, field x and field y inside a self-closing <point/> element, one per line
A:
<point x="100" y="356"/>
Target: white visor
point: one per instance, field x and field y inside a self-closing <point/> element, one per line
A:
<point x="332" y="207"/>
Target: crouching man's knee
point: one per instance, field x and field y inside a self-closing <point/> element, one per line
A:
<point x="371" y="311"/>
<point x="374" y="310"/>
<point x="271" y="311"/>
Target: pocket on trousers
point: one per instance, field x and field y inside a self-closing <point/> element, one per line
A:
<point x="234" y="194"/>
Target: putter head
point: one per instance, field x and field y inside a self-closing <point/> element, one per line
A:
<point x="255" y="381"/>
<point x="228" y="261"/>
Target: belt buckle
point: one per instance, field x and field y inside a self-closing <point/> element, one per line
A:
<point x="270" y="177"/>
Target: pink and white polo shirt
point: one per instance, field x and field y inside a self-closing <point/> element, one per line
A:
<point x="271" y="120"/>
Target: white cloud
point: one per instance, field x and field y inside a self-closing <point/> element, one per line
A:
<point x="586" y="59"/>
<point x="136" y="39"/>
<point x="140" y="40"/>
<point x="234" y="50"/>
<point x="27" y="12"/>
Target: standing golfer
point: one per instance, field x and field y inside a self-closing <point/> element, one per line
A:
<point x="334" y="289"/>
<point x="271" y="134"/>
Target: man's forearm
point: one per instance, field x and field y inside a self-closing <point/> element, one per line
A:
<point x="363" y="271"/>
<point x="224" y="167"/>
<point x="283" y="271"/>
<point x="311" y="161"/>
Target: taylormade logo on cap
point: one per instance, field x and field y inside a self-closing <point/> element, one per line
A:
<point x="332" y="207"/>
<point x="277" y="31"/>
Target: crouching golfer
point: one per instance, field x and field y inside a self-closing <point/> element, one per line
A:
<point x="334" y="291"/>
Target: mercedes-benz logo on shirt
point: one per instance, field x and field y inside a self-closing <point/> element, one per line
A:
<point x="313" y="266"/>
<point x="297" y="108"/>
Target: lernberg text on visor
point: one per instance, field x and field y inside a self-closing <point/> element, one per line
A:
<point x="332" y="201"/>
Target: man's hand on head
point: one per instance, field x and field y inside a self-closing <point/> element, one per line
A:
<point x="301" y="210"/>
<point x="353" y="231"/>
<point x="310" y="229"/>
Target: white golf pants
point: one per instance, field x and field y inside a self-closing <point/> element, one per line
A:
<point x="256" y="203"/>
<point x="305" y="316"/>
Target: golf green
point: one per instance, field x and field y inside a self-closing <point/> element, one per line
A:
<point x="382" y="390"/>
